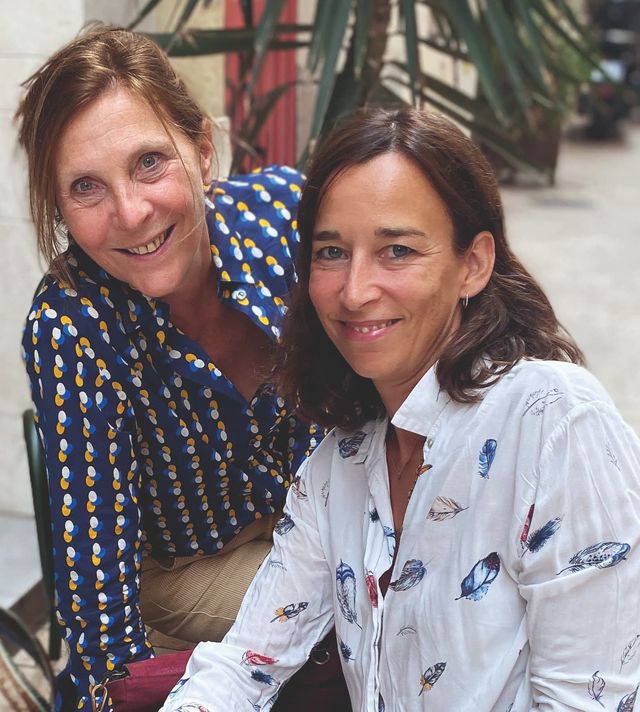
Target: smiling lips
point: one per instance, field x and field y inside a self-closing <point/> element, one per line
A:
<point x="151" y="246"/>
<point x="370" y="328"/>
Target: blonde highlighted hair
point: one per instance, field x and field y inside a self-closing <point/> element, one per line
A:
<point x="100" y="59"/>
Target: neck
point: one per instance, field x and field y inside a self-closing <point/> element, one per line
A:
<point x="197" y="306"/>
<point x="406" y="441"/>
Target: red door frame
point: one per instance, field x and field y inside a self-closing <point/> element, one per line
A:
<point x="277" y="140"/>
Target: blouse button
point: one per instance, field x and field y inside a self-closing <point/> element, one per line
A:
<point x="239" y="294"/>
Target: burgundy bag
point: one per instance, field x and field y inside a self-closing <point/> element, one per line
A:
<point x="142" y="686"/>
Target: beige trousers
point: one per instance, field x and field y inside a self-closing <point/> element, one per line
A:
<point x="188" y="599"/>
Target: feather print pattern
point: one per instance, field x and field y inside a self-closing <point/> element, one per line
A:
<point x="524" y="534"/>
<point x="284" y="524"/>
<point x="372" y="588"/>
<point x="262" y="677"/>
<point x="250" y="657"/>
<point x="602" y="556"/>
<point x="630" y="650"/>
<point x="345" y="651"/>
<point x="430" y="676"/>
<point x="391" y="540"/>
<point x="348" y="447"/>
<point x="487" y="454"/>
<point x="412" y="573"/>
<point x="324" y="492"/>
<point x="476" y="583"/>
<point x="596" y="688"/>
<point x="346" y="592"/>
<point x="178" y="686"/>
<point x="291" y="610"/>
<point x="627" y="703"/>
<point x="541" y="536"/>
<point x="538" y="401"/>
<point x="298" y="488"/>
<point x="444" y="508"/>
<point x="407" y="630"/>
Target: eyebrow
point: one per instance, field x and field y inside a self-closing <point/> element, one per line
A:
<point x="146" y="145"/>
<point x="386" y="233"/>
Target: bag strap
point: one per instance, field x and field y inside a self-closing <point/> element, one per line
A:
<point x="13" y="684"/>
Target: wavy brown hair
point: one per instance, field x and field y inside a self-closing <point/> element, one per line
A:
<point x="509" y="320"/>
<point x="100" y="59"/>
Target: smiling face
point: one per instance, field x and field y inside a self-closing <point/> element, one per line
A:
<point x="385" y="280"/>
<point x="131" y="197"/>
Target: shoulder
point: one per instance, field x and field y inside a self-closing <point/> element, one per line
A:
<point x="344" y="447"/>
<point x="270" y="194"/>
<point x="539" y="400"/>
<point x="252" y="227"/>
<point x="60" y="314"/>
<point x="541" y="382"/>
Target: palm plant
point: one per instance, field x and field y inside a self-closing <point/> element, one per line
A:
<point x="528" y="54"/>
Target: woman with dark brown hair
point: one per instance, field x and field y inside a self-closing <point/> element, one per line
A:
<point x="471" y="524"/>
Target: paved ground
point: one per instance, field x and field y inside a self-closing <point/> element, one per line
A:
<point x="581" y="240"/>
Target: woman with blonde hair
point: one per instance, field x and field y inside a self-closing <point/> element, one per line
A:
<point x="168" y="454"/>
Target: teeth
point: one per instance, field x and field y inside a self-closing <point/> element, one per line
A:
<point x="374" y="327"/>
<point x="149" y="247"/>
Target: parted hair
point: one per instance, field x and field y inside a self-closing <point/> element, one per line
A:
<point x="100" y="59"/>
<point x="510" y="319"/>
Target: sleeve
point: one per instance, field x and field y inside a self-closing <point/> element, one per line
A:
<point x="286" y="611"/>
<point x="84" y="419"/>
<point x="580" y="564"/>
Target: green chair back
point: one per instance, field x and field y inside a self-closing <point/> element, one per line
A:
<point x="42" y="510"/>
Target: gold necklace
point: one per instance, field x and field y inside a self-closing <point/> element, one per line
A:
<point x="394" y="465"/>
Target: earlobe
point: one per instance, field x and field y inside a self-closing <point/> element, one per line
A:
<point x="206" y="152"/>
<point x="480" y="258"/>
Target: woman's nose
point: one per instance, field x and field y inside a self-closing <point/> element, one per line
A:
<point x="130" y="208"/>
<point x="361" y="285"/>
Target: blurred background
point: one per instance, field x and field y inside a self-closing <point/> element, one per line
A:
<point x="549" y="88"/>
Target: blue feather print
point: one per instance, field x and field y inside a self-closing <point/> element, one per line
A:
<point x="391" y="539"/>
<point x="602" y="556"/>
<point x="346" y="592"/>
<point x="476" y="584"/>
<point x="412" y="573"/>
<point x="345" y="651"/>
<point x="596" y="687"/>
<point x="627" y="703"/>
<point x="541" y="536"/>
<point x="284" y="524"/>
<point x="178" y="686"/>
<point x="430" y="676"/>
<point x="487" y="454"/>
<point x="291" y="610"/>
<point x="262" y="677"/>
<point x="348" y="447"/>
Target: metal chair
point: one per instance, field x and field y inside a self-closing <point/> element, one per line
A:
<point x="41" y="508"/>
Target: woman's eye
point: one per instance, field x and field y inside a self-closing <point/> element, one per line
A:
<point x="330" y="252"/>
<point x="399" y="250"/>
<point x="149" y="160"/>
<point x="83" y="186"/>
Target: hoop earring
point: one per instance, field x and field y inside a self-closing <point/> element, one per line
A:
<point x="206" y="187"/>
<point x="465" y="301"/>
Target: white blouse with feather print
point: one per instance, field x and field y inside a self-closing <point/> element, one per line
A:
<point x="516" y="585"/>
